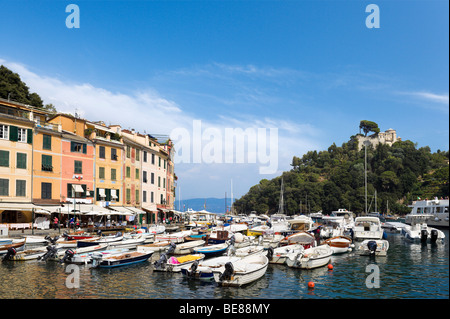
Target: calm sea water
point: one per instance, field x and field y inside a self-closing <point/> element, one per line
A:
<point x="409" y="271"/>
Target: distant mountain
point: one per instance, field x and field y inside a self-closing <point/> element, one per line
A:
<point x="211" y="204"/>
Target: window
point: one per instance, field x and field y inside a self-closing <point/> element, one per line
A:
<point x="76" y="147"/>
<point x="4" y="158"/>
<point x="113" y="174"/>
<point x="21" y="160"/>
<point x="46" y="190"/>
<point x="4" y="132"/>
<point x="159" y="161"/>
<point x="137" y="173"/>
<point x="78" y="167"/>
<point x="159" y="181"/>
<point x="4" y="187"/>
<point x="21" y="188"/>
<point x="47" y="163"/>
<point x="22" y="135"/>
<point x="128" y="151"/>
<point x="47" y="142"/>
<point x="114" y="154"/>
<point x="137" y="195"/>
<point x="152" y="178"/>
<point x="144" y="176"/>
<point x="144" y="196"/>
<point x="101" y="172"/>
<point x="128" y="195"/>
<point x="128" y="171"/>
<point x="164" y="183"/>
<point x="153" y="159"/>
<point x="164" y="164"/>
<point x="101" y="152"/>
<point x="162" y="199"/>
<point x="152" y="197"/>
<point x="138" y="155"/>
<point x="145" y="156"/>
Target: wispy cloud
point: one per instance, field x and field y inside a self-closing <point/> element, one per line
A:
<point x="428" y="100"/>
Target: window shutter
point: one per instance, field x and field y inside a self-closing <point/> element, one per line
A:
<point x="4" y="158"/>
<point x="108" y="194"/>
<point x="69" y="191"/>
<point x="84" y="149"/>
<point x="29" y="136"/>
<point x="84" y="195"/>
<point x="13" y="134"/>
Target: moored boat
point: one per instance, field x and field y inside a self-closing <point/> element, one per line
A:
<point x="174" y="264"/>
<point x="212" y="250"/>
<point x="301" y="237"/>
<point x="156" y="246"/>
<point x="372" y="247"/>
<point x="16" y="245"/>
<point x="310" y="258"/>
<point x="339" y="244"/>
<point x="187" y="247"/>
<point x="278" y="255"/>
<point x="121" y="259"/>
<point x="204" y="269"/>
<point x="28" y="254"/>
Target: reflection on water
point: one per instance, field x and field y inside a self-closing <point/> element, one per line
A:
<point x="408" y="271"/>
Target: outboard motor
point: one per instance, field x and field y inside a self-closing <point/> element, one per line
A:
<point x="51" y="240"/>
<point x="270" y="252"/>
<point x="232" y="240"/>
<point x="171" y="248"/>
<point x="269" y="224"/>
<point x="423" y="235"/>
<point x="372" y="246"/>
<point x="51" y="253"/>
<point x="10" y="253"/>
<point x="161" y="263"/>
<point x="193" y="269"/>
<point x="68" y="255"/>
<point x="434" y="235"/>
<point x="99" y="232"/>
<point x="229" y="270"/>
<point x="96" y="259"/>
<point x="118" y="234"/>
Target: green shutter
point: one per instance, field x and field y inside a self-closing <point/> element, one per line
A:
<point x="69" y="191"/>
<point x="21" y="160"/>
<point x="108" y="194"/>
<point x="4" y="158"/>
<point x="47" y="142"/>
<point x="84" y="195"/>
<point x="84" y="149"/>
<point x="13" y="133"/>
<point x="29" y="136"/>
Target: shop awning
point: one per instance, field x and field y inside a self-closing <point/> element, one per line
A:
<point x="135" y="210"/>
<point x="24" y="207"/>
<point x="77" y="188"/>
<point x="119" y="210"/>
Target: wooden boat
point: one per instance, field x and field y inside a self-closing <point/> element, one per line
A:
<point x="241" y="272"/>
<point x="118" y="260"/>
<point x="212" y="250"/>
<point x="96" y="241"/>
<point x="128" y="243"/>
<point x="156" y="246"/>
<point x="279" y="255"/>
<point x="303" y="238"/>
<point x="339" y="244"/>
<point x="372" y="247"/>
<point x="86" y="258"/>
<point x="174" y="264"/>
<point x="17" y="246"/>
<point x="310" y="258"/>
<point x="64" y="243"/>
<point x="188" y="247"/>
<point x="219" y="236"/>
<point x="28" y="254"/>
<point x="177" y="237"/>
<point x="204" y="270"/>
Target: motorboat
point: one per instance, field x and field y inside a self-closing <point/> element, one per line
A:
<point x="121" y="259"/>
<point x="187" y="247"/>
<point x="241" y="272"/>
<point x="105" y="239"/>
<point x="337" y="223"/>
<point x="24" y="255"/>
<point x="436" y="210"/>
<point x="177" y="237"/>
<point x="271" y="240"/>
<point x="18" y="246"/>
<point x="211" y="250"/>
<point x="219" y="236"/>
<point x="371" y="247"/>
<point x="278" y="255"/>
<point x="156" y="246"/>
<point x="86" y="258"/>
<point x="81" y="250"/>
<point x="339" y="244"/>
<point x="204" y="270"/>
<point x="247" y="251"/>
<point x="300" y="223"/>
<point x="419" y="231"/>
<point x="367" y="227"/>
<point x="239" y="240"/>
<point x="156" y="229"/>
<point x="32" y="240"/>
<point x="174" y="264"/>
<point x="310" y="258"/>
<point x="306" y="239"/>
<point x="128" y="243"/>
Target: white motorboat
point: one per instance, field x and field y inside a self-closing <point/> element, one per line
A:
<point x="419" y="231"/>
<point x="204" y="269"/>
<point x="177" y="237"/>
<point x="371" y="247"/>
<point x="436" y="210"/>
<point x="129" y="243"/>
<point x="310" y="258"/>
<point x="271" y="240"/>
<point x="32" y="240"/>
<point x="300" y="223"/>
<point x="188" y="247"/>
<point x="337" y="223"/>
<point x="156" y="229"/>
<point x="174" y="264"/>
<point x="301" y="237"/>
<point x="81" y="250"/>
<point x="28" y="254"/>
<point x="279" y="255"/>
<point x="367" y="227"/>
<point x="86" y="258"/>
<point x="239" y="240"/>
<point x="339" y="244"/>
<point x="156" y="246"/>
<point x="241" y="272"/>
<point x="247" y="251"/>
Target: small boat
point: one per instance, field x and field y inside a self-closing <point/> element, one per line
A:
<point x="128" y="243"/>
<point x="310" y="258"/>
<point x="219" y="236"/>
<point x="204" y="270"/>
<point x="81" y="250"/>
<point x="339" y="244"/>
<point x="96" y="241"/>
<point x="65" y="243"/>
<point x="174" y="264"/>
<point x="241" y="272"/>
<point x="301" y="237"/>
<point x="156" y="229"/>
<point x="212" y="250"/>
<point x="78" y="236"/>
<point x="156" y="246"/>
<point x="372" y="247"/>
<point x="35" y="240"/>
<point x="187" y="247"/>
<point x="367" y="227"/>
<point x="16" y="245"/>
<point x="247" y="251"/>
<point x="177" y="237"/>
<point x="28" y="254"/>
<point x="271" y="240"/>
<point x="279" y="255"/>
<point x="118" y="260"/>
<point x="86" y="258"/>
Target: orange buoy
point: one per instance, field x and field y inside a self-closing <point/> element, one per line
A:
<point x="310" y="285"/>
<point x="330" y="267"/>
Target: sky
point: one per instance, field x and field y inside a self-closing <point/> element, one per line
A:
<point x="285" y="77"/>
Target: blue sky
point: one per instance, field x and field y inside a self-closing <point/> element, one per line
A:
<point x="311" y="69"/>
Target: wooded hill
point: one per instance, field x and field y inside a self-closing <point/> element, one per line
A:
<point x="334" y="178"/>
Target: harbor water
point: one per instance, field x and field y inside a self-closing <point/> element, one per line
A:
<point x="409" y="271"/>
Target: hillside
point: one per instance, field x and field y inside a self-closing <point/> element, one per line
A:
<point x="334" y="178"/>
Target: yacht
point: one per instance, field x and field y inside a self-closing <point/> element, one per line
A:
<point x="436" y="211"/>
<point x="367" y="227"/>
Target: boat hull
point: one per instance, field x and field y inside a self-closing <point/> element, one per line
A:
<point x="128" y="259"/>
<point x="241" y="278"/>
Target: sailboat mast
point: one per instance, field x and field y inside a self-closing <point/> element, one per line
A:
<point x="281" y="204"/>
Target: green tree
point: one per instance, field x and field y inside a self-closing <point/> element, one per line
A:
<point x="368" y="126"/>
